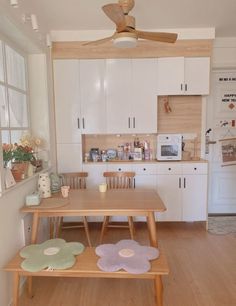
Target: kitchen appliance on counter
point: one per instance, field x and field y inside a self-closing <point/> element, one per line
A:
<point x="169" y="147"/>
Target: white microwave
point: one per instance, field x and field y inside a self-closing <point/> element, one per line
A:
<point x="169" y="147"/>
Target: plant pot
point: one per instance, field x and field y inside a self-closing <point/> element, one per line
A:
<point x="19" y="170"/>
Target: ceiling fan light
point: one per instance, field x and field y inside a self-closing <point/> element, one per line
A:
<point x="125" y="42"/>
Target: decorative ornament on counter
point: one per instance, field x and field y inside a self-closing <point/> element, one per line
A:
<point x="55" y="182"/>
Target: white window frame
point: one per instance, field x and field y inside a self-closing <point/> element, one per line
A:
<point x="8" y="86"/>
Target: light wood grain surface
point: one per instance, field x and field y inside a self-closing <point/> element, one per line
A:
<point x="202" y="272"/>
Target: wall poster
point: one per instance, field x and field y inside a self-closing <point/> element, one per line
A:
<point x="228" y="151"/>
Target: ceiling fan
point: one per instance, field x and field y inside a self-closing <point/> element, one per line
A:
<point x="126" y="35"/>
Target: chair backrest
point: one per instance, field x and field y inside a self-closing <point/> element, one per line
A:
<point x="76" y="180"/>
<point x="119" y="180"/>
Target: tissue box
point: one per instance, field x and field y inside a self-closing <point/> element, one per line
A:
<point x="33" y="199"/>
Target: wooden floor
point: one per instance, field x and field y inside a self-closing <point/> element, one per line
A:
<point x="202" y="272"/>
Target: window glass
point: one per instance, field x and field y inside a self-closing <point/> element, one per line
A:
<point x="16" y="135"/>
<point x="1" y="63"/>
<point x="17" y="109"/>
<point x="5" y="137"/>
<point x="3" y="107"/>
<point x="15" y="68"/>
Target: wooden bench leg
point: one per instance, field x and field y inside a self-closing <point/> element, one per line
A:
<point x="159" y="290"/>
<point x="16" y="281"/>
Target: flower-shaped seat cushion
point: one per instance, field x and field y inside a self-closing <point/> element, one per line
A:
<point x="126" y="254"/>
<point x="52" y="254"/>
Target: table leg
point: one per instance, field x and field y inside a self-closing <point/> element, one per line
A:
<point x="30" y="286"/>
<point x="152" y="229"/>
<point x="16" y="281"/>
<point x="35" y="227"/>
<point x="159" y="290"/>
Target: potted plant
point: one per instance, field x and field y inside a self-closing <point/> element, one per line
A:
<point x="22" y="156"/>
<point x="7" y="154"/>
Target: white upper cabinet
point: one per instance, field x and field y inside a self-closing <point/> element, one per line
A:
<point x="118" y="95"/>
<point x="92" y="97"/>
<point x="80" y="104"/>
<point x="67" y="106"/>
<point x="144" y="98"/>
<point x="197" y="75"/>
<point x="183" y="76"/>
<point x="131" y="95"/>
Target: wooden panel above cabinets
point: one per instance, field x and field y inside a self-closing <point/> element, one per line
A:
<point x="145" y="49"/>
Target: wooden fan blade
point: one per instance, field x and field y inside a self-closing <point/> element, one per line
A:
<point x="156" y="36"/>
<point x="99" y="41"/>
<point x="116" y="14"/>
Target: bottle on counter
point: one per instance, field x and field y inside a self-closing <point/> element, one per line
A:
<point x="136" y="142"/>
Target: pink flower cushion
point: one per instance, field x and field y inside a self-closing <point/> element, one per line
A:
<point x="125" y="254"/>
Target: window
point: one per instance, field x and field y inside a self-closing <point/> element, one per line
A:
<point x="14" y="117"/>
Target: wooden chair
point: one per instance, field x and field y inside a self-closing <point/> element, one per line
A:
<point x="118" y="180"/>
<point x="76" y="180"/>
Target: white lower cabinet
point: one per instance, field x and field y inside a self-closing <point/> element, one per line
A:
<point x="183" y="189"/>
<point x="95" y="174"/>
<point x="181" y="186"/>
<point x="145" y="175"/>
<point x="169" y="189"/>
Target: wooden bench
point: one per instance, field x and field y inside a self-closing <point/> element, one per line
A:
<point x="86" y="266"/>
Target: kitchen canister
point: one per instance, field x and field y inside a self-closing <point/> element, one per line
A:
<point x="44" y="185"/>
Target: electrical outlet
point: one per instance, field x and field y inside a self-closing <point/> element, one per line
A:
<point x="27" y="228"/>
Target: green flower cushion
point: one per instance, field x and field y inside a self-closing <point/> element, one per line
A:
<point x="52" y="254"/>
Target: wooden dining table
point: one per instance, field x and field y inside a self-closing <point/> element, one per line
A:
<point x="89" y="202"/>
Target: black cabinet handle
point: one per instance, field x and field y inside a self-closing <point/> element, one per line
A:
<point x="134" y="122"/>
<point x="179" y="182"/>
<point x="181" y="87"/>
<point x="184" y="182"/>
<point x="134" y="182"/>
<point x="195" y="168"/>
<point x="83" y="122"/>
<point x="169" y="169"/>
<point x="129" y="122"/>
<point x="78" y="123"/>
<point x="186" y="87"/>
<point x="144" y="169"/>
<point x="119" y="169"/>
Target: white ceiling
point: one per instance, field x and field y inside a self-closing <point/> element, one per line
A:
<point x="77" y="15"/>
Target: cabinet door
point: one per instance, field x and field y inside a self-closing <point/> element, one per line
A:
<point x="170" y="77"/>
<point x="169" y="189"/>
<point x="145" y="175"/>
<point x="69" y="158"/>
<point x="93" y="103"/>
<point x="197" y="75"/>
<point x="118" y="95"/>
<point x="144" y="97"/>
<point x="194" y="197"/>
<point x="67" y="106"/>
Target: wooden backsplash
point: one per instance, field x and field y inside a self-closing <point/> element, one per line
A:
<point x="185" y="117"/>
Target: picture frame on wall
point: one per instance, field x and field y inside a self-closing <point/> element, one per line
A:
<point x="228" y="151"/>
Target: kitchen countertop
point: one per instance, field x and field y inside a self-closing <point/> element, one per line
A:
<point x="154" y="161"/>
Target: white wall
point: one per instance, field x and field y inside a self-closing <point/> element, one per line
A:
<point x="11" y="230"/>
<point x="11" y="234"/>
